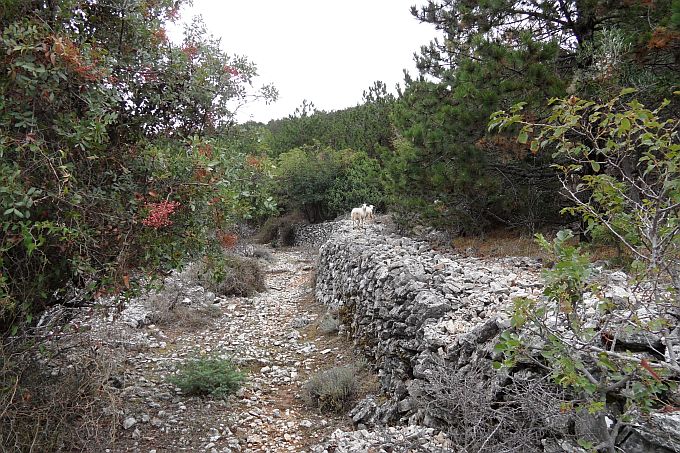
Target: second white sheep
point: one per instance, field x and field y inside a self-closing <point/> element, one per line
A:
<point x="358" y="216"/>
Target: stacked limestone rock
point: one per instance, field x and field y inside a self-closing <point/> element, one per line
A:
<point x="429" y="321"/>
<point x="402" y="301"/>
<point x="407" y="307"/>
<point x="315" y="235"/>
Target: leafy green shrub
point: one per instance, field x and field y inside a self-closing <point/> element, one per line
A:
<point x="620" y="165"/>
<point x="566" y="282"/>
<point x="359" y="182"/>
<point x="305" y="175"/>
<point x="331" y="390"/>
<point x="559" y="335"/>
<point x="324" y="183"/>
<point x="91" y="187"/>
<point x="211" y="376"/>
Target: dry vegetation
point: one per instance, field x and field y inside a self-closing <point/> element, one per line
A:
<point x="480" y="420"/>
<point x="503" y="243"/>
<point x="231" y="275"/>
<point x="56" y="399"/>
<point x="169" y="312"/>
<point x="279" y="231"/>
<point x="332" y="390"/>
<point x="498" y="244"/>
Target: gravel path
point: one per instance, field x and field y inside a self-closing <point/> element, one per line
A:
<point x="274" y="337"/>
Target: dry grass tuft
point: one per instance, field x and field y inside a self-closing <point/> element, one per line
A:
<point x="332" y="390"/>
<point x="168" y="312"/>
<point x="228" y="275"/>
<point x="499" y="244"/>
<point x="503" y="243"/>
<point x="235" y="276"/>
<point x="51" y="401"/>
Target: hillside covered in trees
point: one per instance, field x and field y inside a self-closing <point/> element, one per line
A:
<point x="439" y="163"/>
<point x="121" y="156"/>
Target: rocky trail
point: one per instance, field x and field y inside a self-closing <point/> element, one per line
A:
<point x="430" y="320"/>
<point x="279" y="338"/>
<point x="273" y="336"/>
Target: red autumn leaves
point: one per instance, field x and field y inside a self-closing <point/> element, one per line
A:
<point x="159" y="214"/>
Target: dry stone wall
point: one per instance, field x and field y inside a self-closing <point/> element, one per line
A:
<point x="429" y="321"/>
<point x="315" y="235"/>
<point x="407" y="305"/>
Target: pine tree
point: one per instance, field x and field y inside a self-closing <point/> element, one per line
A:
<point x="495" y="53"/>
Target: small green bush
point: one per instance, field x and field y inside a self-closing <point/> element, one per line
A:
<point x="212" y="376"/>
<point x="331" y="390"/>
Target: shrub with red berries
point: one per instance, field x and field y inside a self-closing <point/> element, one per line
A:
<point x="159" y="214"/>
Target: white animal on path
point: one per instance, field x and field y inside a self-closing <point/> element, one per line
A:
<point x="369" y="212"/>
<point x="358" y="216"/>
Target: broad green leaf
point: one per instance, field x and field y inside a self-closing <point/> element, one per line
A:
<point x="523" y="137"/>
<point x="625" y="125"/>
<point x="534" y="146"/>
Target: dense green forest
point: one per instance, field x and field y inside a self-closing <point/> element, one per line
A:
<point x="439" y="163"/>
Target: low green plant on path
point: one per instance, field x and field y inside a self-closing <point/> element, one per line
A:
<point x="208" y="376"/>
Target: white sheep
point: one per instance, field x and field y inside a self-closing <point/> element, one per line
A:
<point x="358" y="216"/>
<point x="369" y="212"/>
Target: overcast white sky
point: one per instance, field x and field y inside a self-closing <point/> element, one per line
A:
<point x="325" y="51"/>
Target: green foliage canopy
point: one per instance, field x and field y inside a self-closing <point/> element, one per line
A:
<point x="324" y="183"/>
<point x="364" y="127"/>
<point x="105" y="162"/>
<point x="493" y="54"/>
<point x="633" y="194"/>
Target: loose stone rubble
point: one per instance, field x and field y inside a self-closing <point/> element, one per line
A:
<point x="269" y="335"/>
<point x="387" y="439"/>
